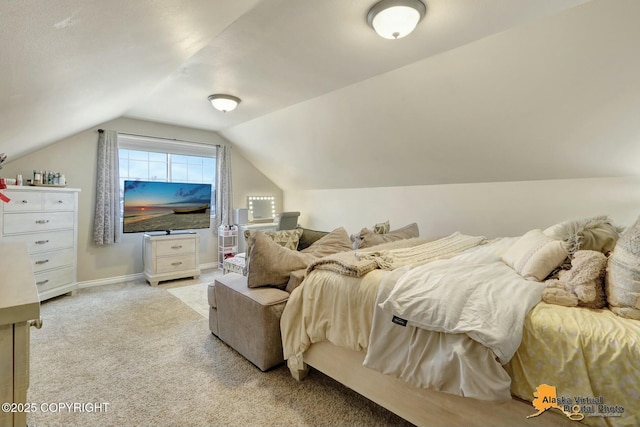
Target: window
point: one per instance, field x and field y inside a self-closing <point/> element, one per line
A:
<point x="154" y="159"/>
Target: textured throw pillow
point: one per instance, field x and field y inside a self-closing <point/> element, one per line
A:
<point x="308" y="237"/>
<point x="368" y="238"/>
<point x="270" y="264"/>
<point x="336" y="241"/>
<point x="534" y="255"/>
<point x="595" y="233"/>
<point x="287" y="238"/>
<point x="382" y="227"/>
<point x="622" y="281"/>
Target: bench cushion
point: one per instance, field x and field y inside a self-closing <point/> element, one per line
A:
<point x="248" y="319"/>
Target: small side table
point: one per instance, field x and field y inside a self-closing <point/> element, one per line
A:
<point x="227" y="243"/>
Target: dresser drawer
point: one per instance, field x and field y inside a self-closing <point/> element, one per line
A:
<point x="35" y="221"/>
<point x="175" y="263"/>
<point x="59" y="201"/>
<point x="53" y="278"/>
<point x="176" y="247"/>
<point x="54" y="259"/>
<point x="22" y="201"/>
<point x="46" y="241"/>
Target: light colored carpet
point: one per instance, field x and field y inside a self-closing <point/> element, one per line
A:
<point x="194" y="296"/>
<point x="152" y="359"/>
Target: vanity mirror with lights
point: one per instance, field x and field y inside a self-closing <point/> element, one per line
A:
<point x="262" y="215"/>
<point x="261" y="208"/>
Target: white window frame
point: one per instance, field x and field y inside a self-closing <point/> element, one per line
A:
<point x="170" y="147"/>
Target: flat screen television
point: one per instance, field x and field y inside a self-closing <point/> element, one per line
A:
<point x="165" y="206"/>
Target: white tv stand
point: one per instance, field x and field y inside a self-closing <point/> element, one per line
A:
<point x="171" y="256"/>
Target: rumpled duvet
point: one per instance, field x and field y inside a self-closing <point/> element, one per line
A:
<point x="474" y="293"/>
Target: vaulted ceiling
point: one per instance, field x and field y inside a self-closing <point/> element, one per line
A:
<point x="482" y="91"/>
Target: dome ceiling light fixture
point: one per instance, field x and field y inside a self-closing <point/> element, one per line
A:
<point x="394" y="19"/>
<point x="224" y="103"/>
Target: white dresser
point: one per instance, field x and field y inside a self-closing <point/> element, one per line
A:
<point x="46" y="219"/>
<point x="171" y="256"/>
<point x="19" y="309"/>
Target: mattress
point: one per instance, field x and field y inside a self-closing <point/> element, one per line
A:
<point x="592" y="355"/>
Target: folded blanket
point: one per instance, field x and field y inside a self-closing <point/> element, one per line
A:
<point x="390" y="259"/>
<point x="348" y="264"/>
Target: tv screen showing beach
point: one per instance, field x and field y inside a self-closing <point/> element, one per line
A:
<point x="165" y="206"/>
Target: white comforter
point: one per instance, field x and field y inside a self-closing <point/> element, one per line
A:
<point x="474" y="293"/>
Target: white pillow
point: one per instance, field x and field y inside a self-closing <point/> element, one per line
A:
<point x="535" y="255"/>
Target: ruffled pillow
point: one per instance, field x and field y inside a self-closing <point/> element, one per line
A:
<point x="595" y="233"/>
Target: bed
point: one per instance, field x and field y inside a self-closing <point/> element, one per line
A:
<point x="439" y="375"/>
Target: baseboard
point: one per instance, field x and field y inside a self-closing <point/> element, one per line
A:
<point x="110" y="280"/>
<point x="130" y="277"/>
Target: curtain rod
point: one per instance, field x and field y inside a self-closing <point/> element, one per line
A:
<point x="166" y="139"/>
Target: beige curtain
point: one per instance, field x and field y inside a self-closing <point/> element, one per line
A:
<point x="106" y="225"/>
<point x="224" y="194"/>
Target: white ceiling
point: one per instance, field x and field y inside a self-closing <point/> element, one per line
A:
<point x="491" y="90"/>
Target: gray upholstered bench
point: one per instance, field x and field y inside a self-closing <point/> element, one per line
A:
<point x="248" y="319"/>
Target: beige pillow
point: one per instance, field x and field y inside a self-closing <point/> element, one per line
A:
<point x="287" y="238"/>
<point x="534" y="255"/>
<point x="309" y="236"/>
<point x="336" y="241"/>
<point x="368" y="238"/>
<point x="270" y="264"/>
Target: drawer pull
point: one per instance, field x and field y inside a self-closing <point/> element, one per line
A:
<point x="41" y="242"/>
<point x="42" y="221"/>
<point x="25" y="202"/>
<point x="37" y="323"/>
<point x="177" y="263"/>
<point x="176" y="247"/>
<point x="60" y="201"/>
<point x="44" y="261"/>
<point x="42" y="282"/>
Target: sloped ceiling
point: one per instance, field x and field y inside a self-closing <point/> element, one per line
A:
<point x="482" y="91"/>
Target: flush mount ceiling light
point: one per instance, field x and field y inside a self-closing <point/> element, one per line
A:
<point x="394" y="19"/>
<point x="224" y="103"/>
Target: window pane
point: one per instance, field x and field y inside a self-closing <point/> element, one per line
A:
<point x="138" y="169"/>
<point x="124" y="167"/>
<point x="179" y="172"/>
<point x="179" y="158"/>
<point x="192" y="160"/>
<point x="138" y="155"/>
<point x="208" y="170"/>
<point x="195" y="173"/>
<point x="158" y="171"/>
<point x="157" y="157"/>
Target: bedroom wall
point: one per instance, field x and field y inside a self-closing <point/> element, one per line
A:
<point x="76" y="157"/>
<point x="489" y="209"/>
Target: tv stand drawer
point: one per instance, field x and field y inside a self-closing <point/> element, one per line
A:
<point x="176" y="247"/>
